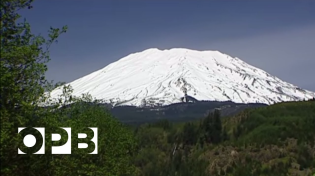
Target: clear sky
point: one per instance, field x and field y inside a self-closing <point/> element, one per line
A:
<point x="276" y="36"/>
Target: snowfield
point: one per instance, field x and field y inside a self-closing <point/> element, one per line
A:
<point x="160" y="77"/>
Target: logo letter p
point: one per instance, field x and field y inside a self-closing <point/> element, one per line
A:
<point x="65" y="148"/>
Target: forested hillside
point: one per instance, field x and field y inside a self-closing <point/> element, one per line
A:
<point x="275" y="140"/>
<point x="177" y="112"/>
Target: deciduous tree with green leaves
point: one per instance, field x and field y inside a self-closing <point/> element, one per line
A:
<point x="23" y="63"/>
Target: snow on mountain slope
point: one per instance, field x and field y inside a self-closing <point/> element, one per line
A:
<point x="160" y="77"/>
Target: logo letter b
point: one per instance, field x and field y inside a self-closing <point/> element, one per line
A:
<point x="94" y="140"/>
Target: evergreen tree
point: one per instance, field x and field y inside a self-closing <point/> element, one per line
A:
<point x="189" y="134"/>
<point x="212" y="127"/>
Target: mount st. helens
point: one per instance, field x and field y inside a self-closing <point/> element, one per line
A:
<point x="163" y="77"/>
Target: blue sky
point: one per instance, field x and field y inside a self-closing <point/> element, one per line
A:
<point x="276" y="36"/>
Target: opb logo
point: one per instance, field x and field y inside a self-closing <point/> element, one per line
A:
<point x="34" y="140"/>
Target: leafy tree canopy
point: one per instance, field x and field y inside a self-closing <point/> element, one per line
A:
<point x="23" y="63"/>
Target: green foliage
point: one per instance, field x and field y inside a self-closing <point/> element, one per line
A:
<point x="190" y="134"/>
<point x="212" y="127"/>
<point x="23" y="58"/>
<point x="116" y="144"/>
<point x="22" y="81"/>
<point x="23" y="65"/>
<point x="274" y="140"/>
<point x="281" y="121"/>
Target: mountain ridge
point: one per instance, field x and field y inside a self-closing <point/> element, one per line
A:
<point x="161" y="77"/>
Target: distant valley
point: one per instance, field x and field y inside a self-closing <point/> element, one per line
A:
<point x="178" y="112"/>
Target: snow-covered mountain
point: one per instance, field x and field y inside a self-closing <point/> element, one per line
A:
<point x="162" y="77"/>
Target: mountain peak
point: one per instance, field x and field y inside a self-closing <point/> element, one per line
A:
<point x="161" y="77"/>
